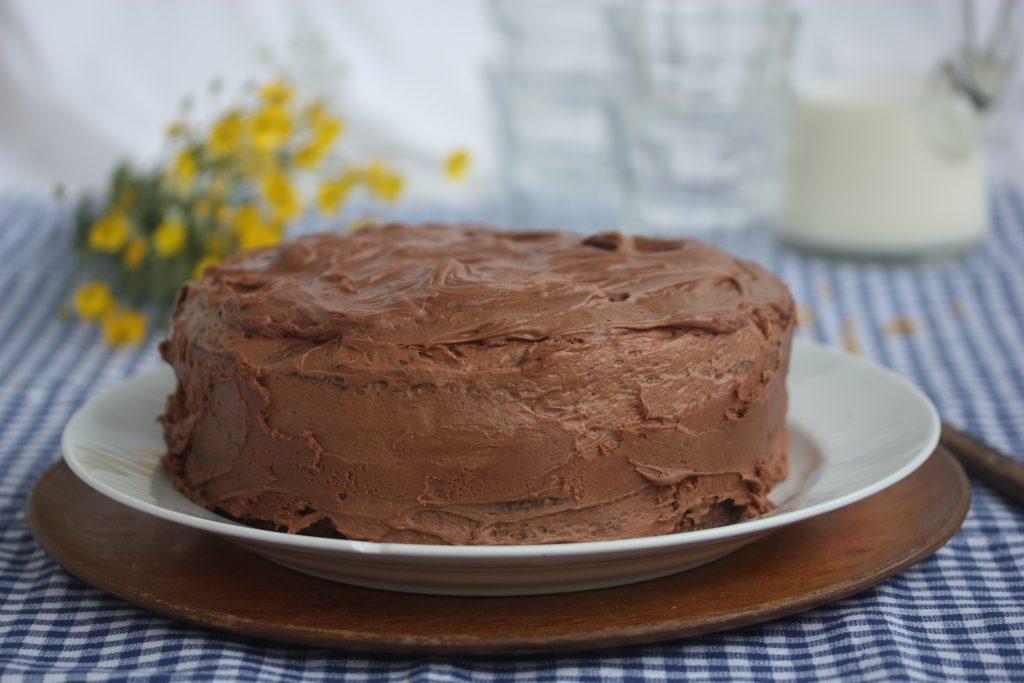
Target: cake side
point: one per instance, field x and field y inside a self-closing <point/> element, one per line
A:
<point x="646" y="397"/>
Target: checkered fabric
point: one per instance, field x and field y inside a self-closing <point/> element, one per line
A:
<point x="956" y="328"/>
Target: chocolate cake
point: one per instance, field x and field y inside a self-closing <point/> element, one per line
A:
<point x="462" y="385"/>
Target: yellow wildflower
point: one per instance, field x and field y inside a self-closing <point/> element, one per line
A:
<point x="310" y="156"/>
<point x="258" y="236"/>
<point x="92" y="300"/>
<point x="226" y="134"/>
<point x="251" y="230"/>
<point x="281" y="195"/>
<point x="134" y="253"/>
<point x="109" y="233"/>
<point x="185" y="168"/>
<point x="384" y="183"/>
<point x="257" y="162"/>
<point x="457" y="163"/>
<point x="332" y="193"/>
<point x="246" y="217"/>
<point x="203" y="264"/>
<point x="270" y="127"/>
<point x="169" y="237"/>
<point x="124" y="326"/>
<point x="276" y="92"/>
<point x="326" y="130"/>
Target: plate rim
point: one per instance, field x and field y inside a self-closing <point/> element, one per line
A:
<point x="577" y="550"/>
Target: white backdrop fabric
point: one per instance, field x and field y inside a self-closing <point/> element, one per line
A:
<point x="83" y="84"/>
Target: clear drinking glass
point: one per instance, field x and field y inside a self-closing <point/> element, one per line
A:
<point x="557" y="148"/>
<point x="701" y="135"/>
<point x="559" y="73"/>
<point x="564" y="37"/>
<point x="656" y="116"/>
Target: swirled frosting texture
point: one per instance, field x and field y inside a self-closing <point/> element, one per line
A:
<point x="462" y="385"/>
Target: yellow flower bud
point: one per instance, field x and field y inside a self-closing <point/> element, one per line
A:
<point x="326" y="130"/>
<point x="135" y="253"/>
<point x="332" y="193"/>
<point x="109" y="233"/>
<point x="226" y="134"/>
<point x="384" y="183"/>
<point x="309" y="156"/>
<point x="170" y="237"/>
<point x="281" y="195"/>
<point x="251" y="230"/>
<point x="259" y="236"/>
<point x="270" y="127"/>
<point x="276" y="92"/>
<point x="92" y="300"/>
<point x="124" y="326"/>
<point x="246" y="217"/>
<point x="457" y="163"/>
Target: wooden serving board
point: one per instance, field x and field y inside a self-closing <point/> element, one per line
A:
<point x="199" y="578"/>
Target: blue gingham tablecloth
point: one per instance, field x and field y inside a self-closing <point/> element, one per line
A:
<point x="957" y="328"/>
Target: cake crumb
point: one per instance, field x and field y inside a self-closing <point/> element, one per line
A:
<point x="850" y="342"/>
<point x="901" y="325"/>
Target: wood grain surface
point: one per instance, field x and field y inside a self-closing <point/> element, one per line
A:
<point x="199" y="578"/>
<point x="1002" y="472"/>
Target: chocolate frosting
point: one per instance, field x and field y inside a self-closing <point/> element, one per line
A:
<point x="462" y="385"/>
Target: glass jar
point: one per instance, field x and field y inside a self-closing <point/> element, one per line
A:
<point x="887" y="154"/>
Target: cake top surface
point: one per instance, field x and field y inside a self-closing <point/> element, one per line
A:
<point x="435" y="285"/>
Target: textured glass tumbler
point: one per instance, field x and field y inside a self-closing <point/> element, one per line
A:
<point x="701" y="133"/>
<point x="558" y="77"/>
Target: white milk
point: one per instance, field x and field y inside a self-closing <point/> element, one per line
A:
<point x="879" y="169"/>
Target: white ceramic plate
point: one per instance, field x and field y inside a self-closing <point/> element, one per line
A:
<point x="857" y="428"/>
